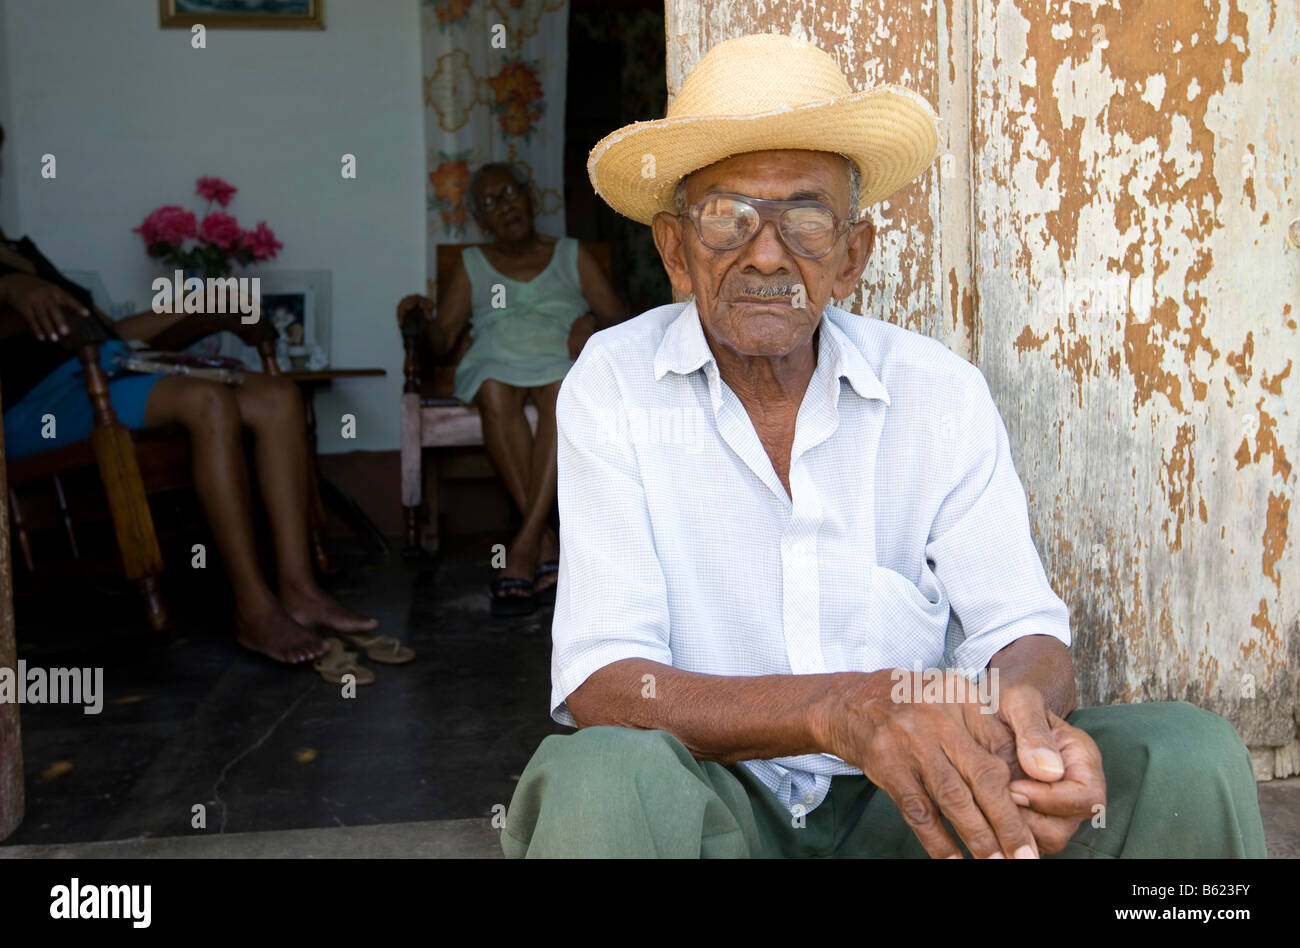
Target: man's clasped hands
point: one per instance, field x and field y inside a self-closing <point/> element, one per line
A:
<point x="1011" y="777"/>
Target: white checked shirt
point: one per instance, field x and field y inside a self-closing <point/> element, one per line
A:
<point x="904" y="543"/>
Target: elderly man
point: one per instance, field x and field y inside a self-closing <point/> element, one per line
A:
<point x="779" y="520"/>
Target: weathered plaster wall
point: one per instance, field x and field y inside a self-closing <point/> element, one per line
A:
<point x="1105" y="239"/>
<point x="1136" y="168"/>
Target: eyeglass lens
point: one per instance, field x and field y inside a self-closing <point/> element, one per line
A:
<point x="726" y="223"/>
<point x="490" y="200"/>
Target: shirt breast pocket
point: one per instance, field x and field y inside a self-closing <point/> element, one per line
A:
<point x="902" y="625"/>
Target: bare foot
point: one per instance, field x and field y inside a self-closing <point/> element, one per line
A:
<point x="275" y="634"/>
<point x="550" y="553"/>
<point x="315" y="607"/>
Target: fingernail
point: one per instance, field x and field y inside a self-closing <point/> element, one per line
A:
<point x="1019" y="798"/>
<point x="1025" y="852"/>
<point x="997" y="856"/>
<point x="956" y="856"/>
<point x="1049" y="761"/>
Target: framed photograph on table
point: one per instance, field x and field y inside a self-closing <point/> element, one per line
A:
<point x="297" y="304"/>
<point x="243" y="14"/>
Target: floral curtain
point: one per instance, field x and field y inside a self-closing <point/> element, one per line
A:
<point x="494" y="86"/>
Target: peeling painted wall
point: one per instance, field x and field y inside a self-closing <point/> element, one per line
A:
<point x="1105" y="239"/>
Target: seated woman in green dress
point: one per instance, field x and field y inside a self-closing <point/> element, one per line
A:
<point x="532" y="302"/>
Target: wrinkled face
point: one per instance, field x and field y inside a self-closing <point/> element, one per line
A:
<point x="747" y="296"/>
<point x="510" y="217"/>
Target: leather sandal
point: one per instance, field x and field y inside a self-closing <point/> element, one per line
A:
<point x="379" y="648"/>
<point x="509" y="605"/>
<point x="338" y="661"/>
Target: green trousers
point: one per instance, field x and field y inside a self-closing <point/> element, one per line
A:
<point x="1178" y="784"/>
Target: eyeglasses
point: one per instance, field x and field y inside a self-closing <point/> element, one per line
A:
<point x="728" y="221"/>
<point x="489" y="201"/>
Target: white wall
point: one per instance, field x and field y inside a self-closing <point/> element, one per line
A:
<point x="8" y="202"/>
<point x="134" y="115"/>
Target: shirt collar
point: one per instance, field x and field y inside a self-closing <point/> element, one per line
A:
<point x="684" y="350"/>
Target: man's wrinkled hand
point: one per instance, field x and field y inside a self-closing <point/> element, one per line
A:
<point x="924" y="755"/>
<point x="1042" y="752"/>
<point x="1053" y="810"/>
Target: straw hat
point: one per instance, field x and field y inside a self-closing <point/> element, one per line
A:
<point x="757" y="93"/>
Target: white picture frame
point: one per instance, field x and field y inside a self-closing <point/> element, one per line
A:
<point x="314" y="288"/>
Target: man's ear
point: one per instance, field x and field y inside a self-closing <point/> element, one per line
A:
<point x="862" y="238"/>
<point x="667" y="231"/>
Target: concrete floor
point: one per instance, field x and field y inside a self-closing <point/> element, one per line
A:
<point x="280" y="762"/>
<point x="196" y="720"/>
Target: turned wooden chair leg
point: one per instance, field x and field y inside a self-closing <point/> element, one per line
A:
<point x="412" y="527"/>
<point x="24" y="541"/>
<point x="151" y="590"/>
<point x="412" y="468"/>
<point x="429" y="539"/>
<point x="67" y="517"/>
<point x="127" y="502"/>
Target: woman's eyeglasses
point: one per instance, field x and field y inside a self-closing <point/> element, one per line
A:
<point x="489" y="201"/>
<point x="729" y="221"/>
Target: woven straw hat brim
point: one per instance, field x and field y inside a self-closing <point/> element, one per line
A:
<point x="890" y="132"/>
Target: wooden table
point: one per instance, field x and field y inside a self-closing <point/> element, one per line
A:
<point x="333" y="496"/>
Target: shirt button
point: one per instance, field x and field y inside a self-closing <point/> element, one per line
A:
<point x="799" y="550"/>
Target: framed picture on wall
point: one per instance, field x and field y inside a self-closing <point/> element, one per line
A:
<point x="243" y="14"/>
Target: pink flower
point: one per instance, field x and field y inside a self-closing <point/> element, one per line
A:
<point x="221" y="230"/>
<point x="214" y="189"/>
<point x="169" y="224"/>
<point x="260" y="242"/>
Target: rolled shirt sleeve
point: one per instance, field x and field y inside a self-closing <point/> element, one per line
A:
<point x="982" y="547"/>
<point x="611" y="599"/>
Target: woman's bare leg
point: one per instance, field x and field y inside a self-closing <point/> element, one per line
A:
<point x="506" y="435"/>
<point x="509" y="442"/>
<point x="543" y="477"/>
<point x="272" y="409"/>
<point x="211" y="414"/>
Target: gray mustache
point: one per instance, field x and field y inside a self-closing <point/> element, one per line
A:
<point x="772" y="289"/>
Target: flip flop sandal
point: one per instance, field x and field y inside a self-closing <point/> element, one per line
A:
<point x="379" y="648"/>
<point x="546" y="597"/>
<point x="503" y="605"/>
<point x="338" y="661"/>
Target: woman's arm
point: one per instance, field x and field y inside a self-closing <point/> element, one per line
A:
<point x="598" y="292"/>
<point x="454" y="308"/>
<point x="144" y="326"/>
<point x="452" y="311"/>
